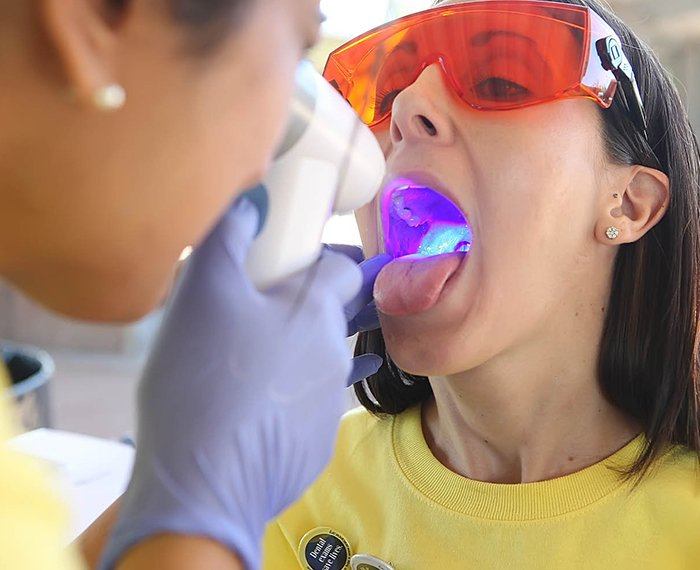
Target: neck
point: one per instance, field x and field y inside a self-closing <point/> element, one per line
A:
<point x="534" y="413"/>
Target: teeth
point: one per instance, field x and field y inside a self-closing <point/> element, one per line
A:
<point x="409" y="217"/>
<point x="406" y="214"/>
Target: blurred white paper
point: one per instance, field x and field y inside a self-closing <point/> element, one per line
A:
<point x="91" y="472"/>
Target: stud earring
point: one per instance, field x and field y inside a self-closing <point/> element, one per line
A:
<point x="612" y="232"/>
<point x="109" y="98"/>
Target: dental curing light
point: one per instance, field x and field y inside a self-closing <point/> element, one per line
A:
<point x="329" y="162"/>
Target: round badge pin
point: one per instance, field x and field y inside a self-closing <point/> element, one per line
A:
<point x="367" y="562"/>
<point x="324" y="549"/>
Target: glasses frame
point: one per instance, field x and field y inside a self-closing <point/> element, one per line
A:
<point x="605" y="69"/>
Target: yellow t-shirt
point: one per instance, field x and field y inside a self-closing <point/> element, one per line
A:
<point x="32" y="520"/>
<point x="385" y="495"/>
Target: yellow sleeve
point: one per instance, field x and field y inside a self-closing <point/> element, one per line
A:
<point x="278" y="554"/>
<point x="33" y="523"/>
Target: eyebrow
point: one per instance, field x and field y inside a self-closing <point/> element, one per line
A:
<point x="483" y="38"/>
<point x="486" y="37"/>
<point x="410" y="47"/>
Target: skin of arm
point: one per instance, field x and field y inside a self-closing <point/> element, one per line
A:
<point x="166" y="551"/>
<point x="91" y="543"/>
<point x="176" y="552"/>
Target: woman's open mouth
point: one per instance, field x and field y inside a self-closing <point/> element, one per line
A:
<point x="418" y="220"/>
<point x="429" y="237"/>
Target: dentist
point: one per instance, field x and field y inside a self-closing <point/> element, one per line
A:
<point x="129" y="129"/>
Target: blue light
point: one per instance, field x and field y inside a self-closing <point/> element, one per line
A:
<point x="419" y="220"/>
<point x="445" y="238"/>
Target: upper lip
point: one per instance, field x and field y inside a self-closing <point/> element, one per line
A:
<point x="418" y="179"/>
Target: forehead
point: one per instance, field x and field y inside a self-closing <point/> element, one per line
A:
<point x="450" y="2"/>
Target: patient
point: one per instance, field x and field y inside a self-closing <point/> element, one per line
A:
<point x="538" y="407"/>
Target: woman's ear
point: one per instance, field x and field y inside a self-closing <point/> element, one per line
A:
<point x="638" y="205"/>
<point x="83" y="37"/>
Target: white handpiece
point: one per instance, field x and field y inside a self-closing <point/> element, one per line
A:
<point x="329" y="162"/>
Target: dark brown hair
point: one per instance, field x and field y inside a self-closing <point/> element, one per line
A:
<point x="648" y="358"/>
<point x="208" y="21"/>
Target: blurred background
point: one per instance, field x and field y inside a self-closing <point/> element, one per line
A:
<point x="92" y="388"/>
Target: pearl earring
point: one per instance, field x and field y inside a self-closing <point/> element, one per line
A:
<point x="612" y="232"/>
<point x="109" y="98"/>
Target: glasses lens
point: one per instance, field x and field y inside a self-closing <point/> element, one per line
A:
<point x="496" y="55"/>
<point x="510" y="59"/>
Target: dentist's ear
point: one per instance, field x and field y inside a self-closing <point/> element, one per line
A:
<point x="637" y="206"/>
<point x="82" y="34"/>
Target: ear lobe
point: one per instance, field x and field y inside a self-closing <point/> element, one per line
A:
<point x="80" y="33"/>
<point x="639" y="207"/>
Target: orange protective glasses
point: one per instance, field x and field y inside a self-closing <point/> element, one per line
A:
<point x="495" y="55"/>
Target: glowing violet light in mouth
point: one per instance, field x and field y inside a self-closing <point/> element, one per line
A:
<point x="418" y="220"/>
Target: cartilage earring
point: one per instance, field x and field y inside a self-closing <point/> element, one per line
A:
<point x="612" y="232"/>
<point x="109" y="98"/>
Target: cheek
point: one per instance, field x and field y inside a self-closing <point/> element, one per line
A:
<point x="265" y="90"/>
<point x="383" y="136"/>
<point x="541" y="200"/>
<point x="366" y="218"/>
<point x="242" y="110"/>
<point x="532" y="231"/>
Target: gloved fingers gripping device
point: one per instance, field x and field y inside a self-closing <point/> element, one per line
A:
<point x="329" y="163"/>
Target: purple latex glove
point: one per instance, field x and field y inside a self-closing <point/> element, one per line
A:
<point x="361" y="312"/>
<point x="239" y="404"/>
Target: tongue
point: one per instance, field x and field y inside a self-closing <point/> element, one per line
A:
<point x="410" y="285"/>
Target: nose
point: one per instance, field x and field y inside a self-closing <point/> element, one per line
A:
<point x="420" y="113"/>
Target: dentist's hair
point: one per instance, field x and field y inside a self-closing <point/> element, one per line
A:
<point x="648" y="358"/>
<point x="208" y="21"/>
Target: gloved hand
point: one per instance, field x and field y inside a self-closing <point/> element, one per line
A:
<point x="361" y="312"/>
<point x="239" y="404"/>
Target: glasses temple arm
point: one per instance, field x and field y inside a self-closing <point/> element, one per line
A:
<point x="613" y="59"/>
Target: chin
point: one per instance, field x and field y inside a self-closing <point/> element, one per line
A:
<point x="125" y="313"/>
<point x="116" y="308"/>
<point x="100" y="300"/>
<point x="115" y="293"/>
<point x="434" y="351"/>
<point x="421" y="355"/>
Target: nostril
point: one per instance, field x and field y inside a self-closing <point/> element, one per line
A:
<point x="429" y="127"/>
<point x="396" y="135"/>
